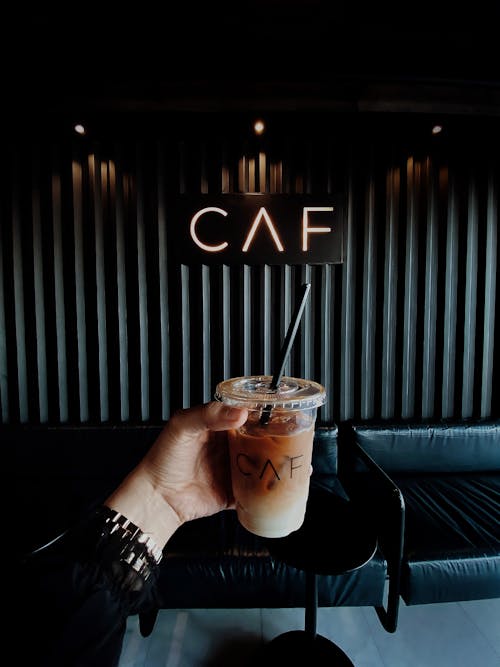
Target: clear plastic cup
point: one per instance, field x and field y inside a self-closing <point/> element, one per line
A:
<point x="271" y="452"/>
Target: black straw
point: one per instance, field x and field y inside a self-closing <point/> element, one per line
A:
<point x="286" y="347"/>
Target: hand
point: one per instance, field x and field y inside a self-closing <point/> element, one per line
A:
<point x="189" y="462"/>
<point x="185" y="475"/>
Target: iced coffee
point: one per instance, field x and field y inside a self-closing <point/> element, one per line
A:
<point x="271" y="453"/>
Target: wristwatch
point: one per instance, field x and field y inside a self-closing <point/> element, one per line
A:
<point x="121" y="537"/>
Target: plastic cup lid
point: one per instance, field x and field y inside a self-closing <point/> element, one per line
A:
<point x="253" y="392"/>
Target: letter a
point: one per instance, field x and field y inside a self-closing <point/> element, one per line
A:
<point x="268" y="463"/>
<point x="262" y="215"/>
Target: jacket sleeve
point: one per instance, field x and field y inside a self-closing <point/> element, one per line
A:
<point x="74" y="597"/>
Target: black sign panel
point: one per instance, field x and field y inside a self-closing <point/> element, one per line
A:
<point x="257" y="229"/>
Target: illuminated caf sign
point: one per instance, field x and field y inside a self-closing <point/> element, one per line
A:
<point x="257" y="229"/>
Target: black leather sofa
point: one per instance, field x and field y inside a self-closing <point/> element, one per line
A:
<point x="61" y="472"/>
<point x="446" y="532"/>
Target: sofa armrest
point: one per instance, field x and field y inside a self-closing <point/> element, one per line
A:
<point x="367" y="484"/>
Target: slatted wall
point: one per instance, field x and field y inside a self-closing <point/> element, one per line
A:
<point x="100" y="323"/>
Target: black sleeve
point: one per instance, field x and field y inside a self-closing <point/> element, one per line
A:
<point x="72" y="600"/>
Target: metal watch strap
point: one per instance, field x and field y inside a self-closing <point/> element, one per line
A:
<point x="135" y="548"/>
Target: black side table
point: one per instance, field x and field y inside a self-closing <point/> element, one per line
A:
<point x="336" y="537"/>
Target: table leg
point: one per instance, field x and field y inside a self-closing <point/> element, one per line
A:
<point x="311" y="604"/>
<point x="305" y="645"/>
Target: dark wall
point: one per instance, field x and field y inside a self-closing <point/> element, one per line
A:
<point x="100" y="323"/>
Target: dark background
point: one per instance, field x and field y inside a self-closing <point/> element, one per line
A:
<point x="273" y="54"/>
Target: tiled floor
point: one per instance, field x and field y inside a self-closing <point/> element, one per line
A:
<point x="464" y="634"/>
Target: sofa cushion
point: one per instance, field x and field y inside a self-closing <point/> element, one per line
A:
<point x="324" y="458"/>
<point x="451" y="579"/>
<point x="452" y="537"/>
<point x="247" y="580"/>
<point x="433" y="448"/>
<point x="214" y="562"/>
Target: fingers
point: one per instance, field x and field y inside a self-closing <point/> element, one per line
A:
<point x="220" y="417"/>
<point x="213" y="416"/>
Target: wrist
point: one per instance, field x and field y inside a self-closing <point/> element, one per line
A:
<point x="138" y="500"/>
<point x="122" y="549"/>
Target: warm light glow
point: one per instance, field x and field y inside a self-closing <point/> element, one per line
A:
<point x="194" y="236"/>
<point x="306" y="230"/>
<point x="259" y="127"/>
<point x="262" y="215"/>
<point x="437" y="129"/>
<point x="79" y="129"/>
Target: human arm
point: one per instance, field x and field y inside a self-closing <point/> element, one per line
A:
<point x="74" y="597"/>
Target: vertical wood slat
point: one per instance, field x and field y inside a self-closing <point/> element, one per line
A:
<point x="96" y="176"/>
<point x="59" y="294"/>
<point x="263" y="181"/>
<point x="19" y="311"/>
<point x="242" y="175"/>
<point x="4" y="374"/>
<point x="286" y="308"/>
<point x="430" y="298"/>
<point x="388" y="375"/>
<point x="117" y="177"/>
<point x="77" y="175"/>
<point x="368" y="323"/>
<point x="185" y="337"/>
<point x="266" y="318"/>
<point x="327" y="341"/>
<point x="227" y="321"/>
<point x="142" y="287"/>
<point x="450" y="305"/>
<point x="225" y="171"/>
<point x="251" y="175"/>
<point x="246" y="301"/>
<point x="38" y="283"/>
<point x="410" y="299"/>
<point x="348" y="313"/>
<point x="206" y="333"/>
<point x="163" y="285"/>
<point x="470" y="303"/>
<point x="306" y="339"/>
<point x="490" y="286"/>
<point x="276" y="177"/>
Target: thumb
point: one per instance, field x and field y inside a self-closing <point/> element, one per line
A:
<point x="220" y="417"/>
<point x="212" y="416"/>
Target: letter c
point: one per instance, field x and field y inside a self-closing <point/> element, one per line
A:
<point x="243" y="472"/>
<point x="194" y="236"/>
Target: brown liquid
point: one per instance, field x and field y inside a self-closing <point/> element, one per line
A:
<point x="270" y="468"/>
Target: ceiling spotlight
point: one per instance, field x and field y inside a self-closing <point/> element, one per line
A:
<point x="79" y="129"/>
<point x="259" y="127"/>
<point x="437" y="129"/>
